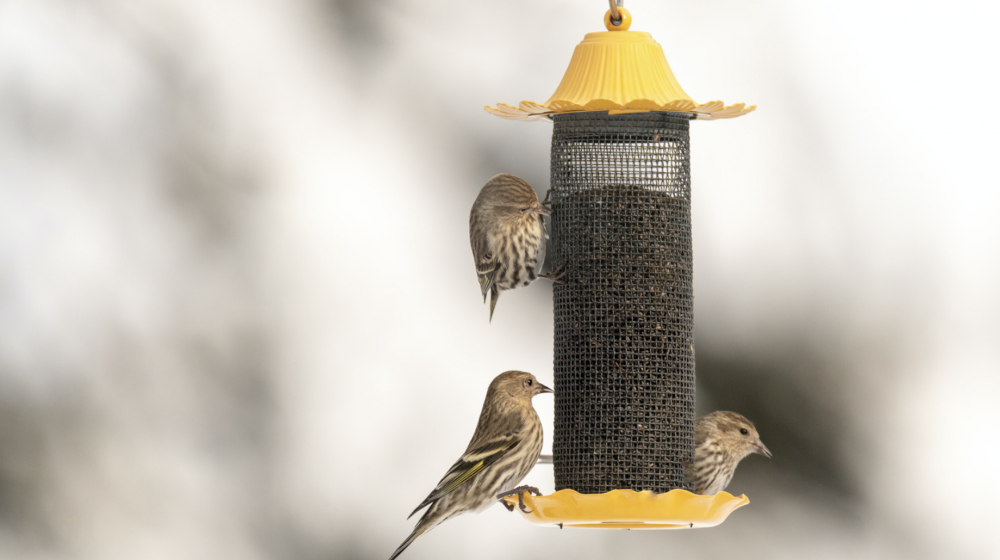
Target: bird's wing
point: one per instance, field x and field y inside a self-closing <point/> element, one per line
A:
<point x="486" y="279"/>
<point x="486" y="268"/>
<point x="472" y="462"/>
<point x="486" y="262"/>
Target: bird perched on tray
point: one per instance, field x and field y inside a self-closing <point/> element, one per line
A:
<point x="503" y="449"/>
<point x="507" y="232"/>
<point x="722" y="439"/>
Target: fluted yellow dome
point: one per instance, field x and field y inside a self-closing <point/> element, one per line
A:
<point x="619" y="71"/>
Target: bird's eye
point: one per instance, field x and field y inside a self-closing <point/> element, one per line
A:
<point x="529" y="383"/>
<point x="744" y="431"/>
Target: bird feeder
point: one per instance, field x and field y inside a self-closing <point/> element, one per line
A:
<point x="624" y="326"/>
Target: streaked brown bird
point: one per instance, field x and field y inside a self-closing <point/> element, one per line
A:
<point x="722" y="439"/>
<point x="504" y="448"/>
<point x="507" y="232"/>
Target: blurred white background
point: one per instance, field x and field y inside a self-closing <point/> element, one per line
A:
<point x="239" y="317"/>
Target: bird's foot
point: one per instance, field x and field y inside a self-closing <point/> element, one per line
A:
<point x="519" y="492"/>
<point x="547" y="202"/>
<point x="556" y="274"/>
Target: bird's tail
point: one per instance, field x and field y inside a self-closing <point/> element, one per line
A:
<point x="494" y="296"/>
<point x="430" y="519"/>
<point x="420" y="529"/>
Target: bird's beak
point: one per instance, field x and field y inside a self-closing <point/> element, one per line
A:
<point x="543" y="389"/>
<point x="762" y="449"/>
<point x="541" y="210"/>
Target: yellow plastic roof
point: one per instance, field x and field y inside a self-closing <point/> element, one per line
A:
<point x="619" y="71"/>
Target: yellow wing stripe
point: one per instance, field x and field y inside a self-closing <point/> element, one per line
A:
<point x="465" y="477"/>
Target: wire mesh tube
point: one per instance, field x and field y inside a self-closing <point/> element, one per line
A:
<point x="624" y="325"/>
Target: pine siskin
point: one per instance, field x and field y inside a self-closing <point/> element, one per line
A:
<point x="722" y="440"/>
<point x="507" y="232"/>
<point x="504" y="448"/>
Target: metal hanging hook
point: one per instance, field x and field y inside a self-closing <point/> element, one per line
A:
<point x="616" y="16"/>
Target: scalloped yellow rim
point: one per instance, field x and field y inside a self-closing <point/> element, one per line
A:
<point x="532" y="111"/>
<point x="628" y="509"/>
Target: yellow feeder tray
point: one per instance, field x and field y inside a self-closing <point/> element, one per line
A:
<point x="619" y="71"/>
<point x="627" y="509"/>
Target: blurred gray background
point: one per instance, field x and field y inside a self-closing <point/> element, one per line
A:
<point x="239" y="317"/>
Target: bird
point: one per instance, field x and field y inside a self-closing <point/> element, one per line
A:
<point x="722" y="439"/>
<point x="507" y="233"/>
<point x="504" y="447"/>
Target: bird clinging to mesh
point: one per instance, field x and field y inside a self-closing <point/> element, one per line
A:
<point x="722" y="440"/>
<point x="507" y="232"/>
<point x="503" y="449"/>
